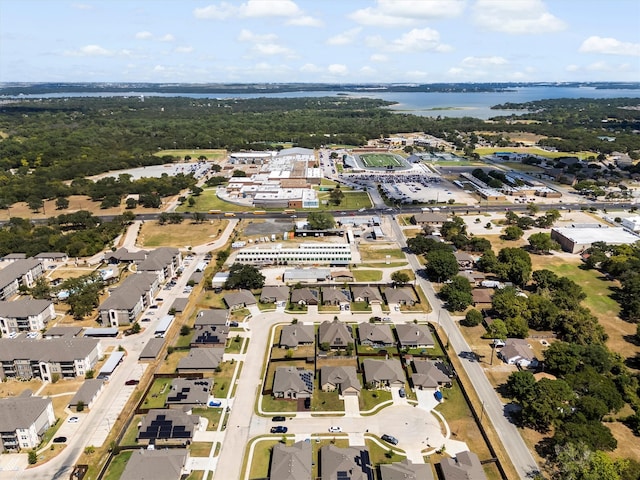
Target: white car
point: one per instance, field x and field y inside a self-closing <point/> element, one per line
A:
<point x="335" y="429"/>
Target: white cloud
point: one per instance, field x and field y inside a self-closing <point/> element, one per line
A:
<point x="572" y="68"/>
<point x="517" y="17"/>
<point x="417" y="74"/>
<point x="471" y="62"/>
<point x="188" y="49"/>
<point x="258" y="9"/>
<point x="366" y="70"/>
<point x="159" y="68"/>
<point x="609" y="46"/>
<point x="310" y="68"/>
<point x="337" y="69"/>
<point x="399" y="13"/>
<point x="271" y="49"/>
<point x="82" y="6"/>
<point x="344" y="38"/>
<point x="379" y="57"/>
<point x="416" y="40"/>
<point x="167" y="38"/>
<point x="144" y="35"/>
<point x="305" y="21"/>
<point x="89" y="51"/>
<point x="249" y="36"/>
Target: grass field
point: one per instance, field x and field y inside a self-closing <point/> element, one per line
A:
<point x="367" y="275"/>
<point x="379" y="160"/>
<point x="534" y="150"/>
<point x="350" y="201"/>
<point x="208" y="200"/>
<point x="153" y="234"/>
<point x="117" y="465"/>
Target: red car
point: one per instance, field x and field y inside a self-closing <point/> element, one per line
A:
<point x="132" y="382"/>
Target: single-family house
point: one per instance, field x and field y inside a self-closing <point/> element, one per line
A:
<point x="52" y="256"/>
<point x="517" y="351"/>
<point x="291" y="463"/>
<point x="335" y="333"/>
<point x="375" y="334"/>
<point x="23" y="421"/>
<point x="366" y="293"/>
<point x="411" y="335"/>
<point x="274" y="294"/>
<point x="406" y="470"/>
<point x="383" y="373"/>
<point x="335" y="296"/>
<point x="189" y="392"/>
<point x="344" y="379"/>
<point x="430" y="374"/>
<point x="292" y="382"/>
<point x="465" y="466"/>
<point x="296" y="334"/>
<point x="400" y="296"/>
<point x="163" y="464"/>
<point x="305" y="296"/>
<point x="475" y="278"/>
<point x="201" y="360"/>
<point x="209" y="336"/>
<point x="167" y="426"/>
<point x="26" y="315"/>
<point x="465" y="261"/>
<point x="239" y="299"/>
<point x="352" y="463"/>
<point x="482" y="297"/>
<point x="213" y="316"/>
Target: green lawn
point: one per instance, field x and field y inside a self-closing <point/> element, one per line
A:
<point x="234" y="344"/>
<point x="369" y="399"/>
<point x="158" y="393"/>
<point x="270" y="404"/>
<point x="222" y="380"/>
<point x="196" y="475"/>
<point x="360" y="307"/>
<point x="367" y="349"/>
<point x="379" y="160"/>
<point x="183" y="340"/>
<point x="211" y="154"/>
<point x="598" y="294"/>
<point x="200" y="449"/>
<point x="379" y="454"/>
<point x="367" y="275"/>
<point x="211" y="414"/>
<point x="382" y="264"/>
<point x="117" y="465"/>
<point x="534" y="150"/>
<point x="208" y="200"/>
<point x="261" y="459"/>
<point x="368" y="253"/>
<point x="326" y="401"/>
<point x="131" y="434"/>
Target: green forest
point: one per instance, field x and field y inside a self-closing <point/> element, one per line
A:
<point x="49" y="146"/>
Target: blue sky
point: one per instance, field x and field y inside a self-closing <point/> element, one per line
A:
<point x="413" y="41"/>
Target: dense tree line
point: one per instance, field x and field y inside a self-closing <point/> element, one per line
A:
<point x="79" y="234"/>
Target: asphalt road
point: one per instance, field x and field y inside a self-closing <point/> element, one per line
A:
<point x="512" y="442"/>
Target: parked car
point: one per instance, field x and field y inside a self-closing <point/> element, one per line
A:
<point x="335" y="429"/>
<point x="154" y="306"/>
<point x="279" y="429"/>
<point x="278" y="418"/>
<point x="146" y="319"/>
<point x="60" y="440"/>
<point x="402" y="393"/>
<point x="307" y="403"/>
<point x="390" y="439"/>
<point x="133" y="381"/>
<point x="233" y="324"/>
<point x="73" y="420"/>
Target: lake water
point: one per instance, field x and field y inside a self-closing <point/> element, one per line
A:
<point x="445" y="104"/>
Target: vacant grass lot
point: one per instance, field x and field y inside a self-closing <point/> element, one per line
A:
<point x="211" y="154"/>
<point x="350" y="201"/>
<point x="379" y="252"/>
<point x="367" y="275"/>
<point x="208" y="200"/>
<point x="180" y="235"/>
<point x="534" y="150"/>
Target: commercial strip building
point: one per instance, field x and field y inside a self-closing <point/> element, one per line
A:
<point x="579" y="237"/>
<point x="314" y="253"/>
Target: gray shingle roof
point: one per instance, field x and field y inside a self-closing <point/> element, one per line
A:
<point x="429" y="218"/>
<point x="239" y="298"/>
<point x="466" y="466"/>
<point x="406" y="470"/>
<point x="165" y="464"/>
<point x="399" y="295"/>
<point x="429" y="374"/>
<point x="124" y="255"/>
<point x="158" y="259"/>
<point x="383" y="371"/>
<point x="201" y="359"/>
<point x="349" y="460"/>
<point x="410" y="334"/>
<point x="292" y="335"/>
<point x="128" y="294"/>
<point x="16" y="270"/>
<point x="151" y="349"/>
<point x="23" y="308"/>
<point x="214" y="316"/>
<point x="189" y="391"/>
<point x="51" y="350"/>
<point x="279" y="293"/>
<point x="173" y="418"/>
<point x="375" y="333"/>
<point x="335" y="333"/>
<point x="20" y="412"/>
<point x="291" y="379"/>
<point x="291" y="463"/>
<point x="304" y="295"/>
<point x="342" y="377"/>
<point x="370" y="294"/>
<point x="63" y="332"/>
<point x="87" y="391"/>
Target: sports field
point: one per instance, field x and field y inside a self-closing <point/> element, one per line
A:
<point x="379" y="160"/>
